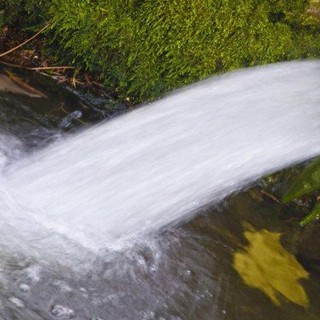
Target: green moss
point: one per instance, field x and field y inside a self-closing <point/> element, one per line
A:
<point x="144" y="48"/>
<point x="25" y="13"/>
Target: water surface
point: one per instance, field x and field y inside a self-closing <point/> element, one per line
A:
<point x="95" y="226"/>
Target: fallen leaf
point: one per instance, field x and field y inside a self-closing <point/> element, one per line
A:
<point x="265" y="264"/>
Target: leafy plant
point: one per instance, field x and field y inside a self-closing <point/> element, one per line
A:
<point x="307" y="183"/>
<point x="24" y="12"/>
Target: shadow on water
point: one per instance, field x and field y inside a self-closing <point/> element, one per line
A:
<point x="184" y="273"/>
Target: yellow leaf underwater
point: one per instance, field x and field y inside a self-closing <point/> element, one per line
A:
<point x="264" y="264"/>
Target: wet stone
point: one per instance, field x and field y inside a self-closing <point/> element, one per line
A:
<point x="67" y="121"/>
<point x="62" y="312"/>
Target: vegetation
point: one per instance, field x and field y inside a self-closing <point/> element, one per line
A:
<point x="307" y="183"/>
<point x="144" y="48"/>
<point x="27" y="13"/>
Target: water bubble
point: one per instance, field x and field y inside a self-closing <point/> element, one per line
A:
<point x="17" y="302"/>
<point x="148" y="315"/>
<point x="64" y="287"/>
<point x="85" y="295"/>
<point x="62" y="312"/>
<point x="186" y="274"/>
<point x="33" y="273"/>
<point x="24" y="287"/>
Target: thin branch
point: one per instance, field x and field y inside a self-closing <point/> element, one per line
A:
<point x="35" y="68"/>
<point x="25" y="42"/>
<point x="271" y="196"/>
<point x="50" y="68"/>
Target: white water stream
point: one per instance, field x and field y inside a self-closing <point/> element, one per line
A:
<point x="160" y="164"/>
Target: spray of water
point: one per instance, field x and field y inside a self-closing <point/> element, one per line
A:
<point x="161" y="163"/>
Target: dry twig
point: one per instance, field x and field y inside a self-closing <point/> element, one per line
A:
<point x="35" y="68"/>
<point x="25" y="42"/>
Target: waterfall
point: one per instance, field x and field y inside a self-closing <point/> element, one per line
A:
<point x="161" y="163"/>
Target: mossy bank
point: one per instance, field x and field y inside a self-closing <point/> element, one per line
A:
<point x="145" y="48"/>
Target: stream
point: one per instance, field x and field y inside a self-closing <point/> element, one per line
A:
<point x="237" y="258"/>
